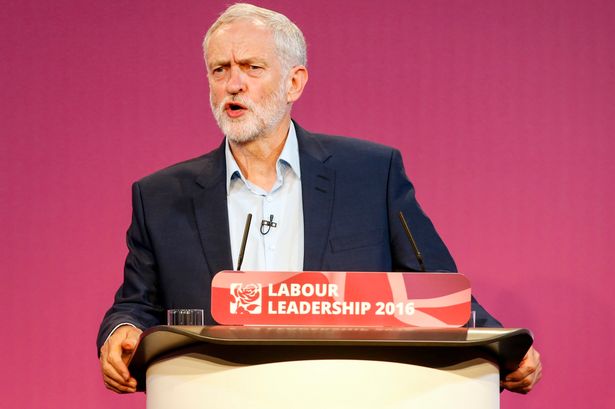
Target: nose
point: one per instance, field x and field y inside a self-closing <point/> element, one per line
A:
<point x="235" y="83"/>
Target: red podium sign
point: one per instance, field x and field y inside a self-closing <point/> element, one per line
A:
<point x="341" y="299"/>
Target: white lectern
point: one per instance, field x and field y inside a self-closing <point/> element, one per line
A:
<point x="319" y="367"/>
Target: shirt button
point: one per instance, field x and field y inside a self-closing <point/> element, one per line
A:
<point x="272" y="247"/>
<point x="269" y="199"/>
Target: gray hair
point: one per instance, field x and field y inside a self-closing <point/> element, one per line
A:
<point x="289" y="40"/>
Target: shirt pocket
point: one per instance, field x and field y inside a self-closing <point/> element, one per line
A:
<point x="356" y="240"/>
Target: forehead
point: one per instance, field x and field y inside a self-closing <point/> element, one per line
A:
<point x="241" y="39"/>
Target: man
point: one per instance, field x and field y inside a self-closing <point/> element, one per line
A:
<point x="328" y="203"/>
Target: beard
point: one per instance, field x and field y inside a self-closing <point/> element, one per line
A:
<point x="258" y="119"/>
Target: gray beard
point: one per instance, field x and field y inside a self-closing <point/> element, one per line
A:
<point x="258" y="120"/>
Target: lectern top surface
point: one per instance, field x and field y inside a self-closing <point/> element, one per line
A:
<point x="247" y="345"/>
<point x="276" y="335"/>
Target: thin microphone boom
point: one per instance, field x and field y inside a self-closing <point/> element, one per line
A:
<point x="244" y="240"/>
<point x="417" y="253"/>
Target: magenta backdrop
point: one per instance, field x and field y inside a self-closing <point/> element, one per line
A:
<point x="504" y="111"/>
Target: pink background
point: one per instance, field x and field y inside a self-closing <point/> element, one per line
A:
<point x="504" y="111"/>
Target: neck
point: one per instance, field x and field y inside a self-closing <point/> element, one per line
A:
<point x="257" y="159"/>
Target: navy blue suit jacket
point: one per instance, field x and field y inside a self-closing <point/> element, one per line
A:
<point x="352" y="193"/>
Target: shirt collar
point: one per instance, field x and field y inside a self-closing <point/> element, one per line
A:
<point x="289" y="157"/>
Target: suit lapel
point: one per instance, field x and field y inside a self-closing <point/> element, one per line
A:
<point x="317" y="186"/>
<point x="211" y="213"/>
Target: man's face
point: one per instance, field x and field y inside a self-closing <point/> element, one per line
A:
<point x="248" y="91"/>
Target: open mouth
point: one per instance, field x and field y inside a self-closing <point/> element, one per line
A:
<point x="234" y="109"/>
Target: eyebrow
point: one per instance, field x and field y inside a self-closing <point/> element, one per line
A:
<point x="242" y="61"/>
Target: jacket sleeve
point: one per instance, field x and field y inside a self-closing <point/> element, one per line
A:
<point x="401" y="197"/>
<point x="137" y="301"/>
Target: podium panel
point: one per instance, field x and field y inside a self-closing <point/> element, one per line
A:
<point x="196" y="380"/>
<point x="220" y="367"/>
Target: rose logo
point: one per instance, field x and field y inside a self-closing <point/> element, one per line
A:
<point x="248" y="299"/>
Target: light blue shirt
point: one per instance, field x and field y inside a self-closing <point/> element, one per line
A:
<point x="281" y="248"/>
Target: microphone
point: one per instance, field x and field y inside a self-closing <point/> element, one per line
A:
<point x="244" y="240"/>
<point x="417" y="253"/>
<point x="268" y="224"/>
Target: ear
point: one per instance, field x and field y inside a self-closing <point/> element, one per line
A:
<point x="297" y="79"/>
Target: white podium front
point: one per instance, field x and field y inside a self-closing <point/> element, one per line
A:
<point x="277" y="367"/>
